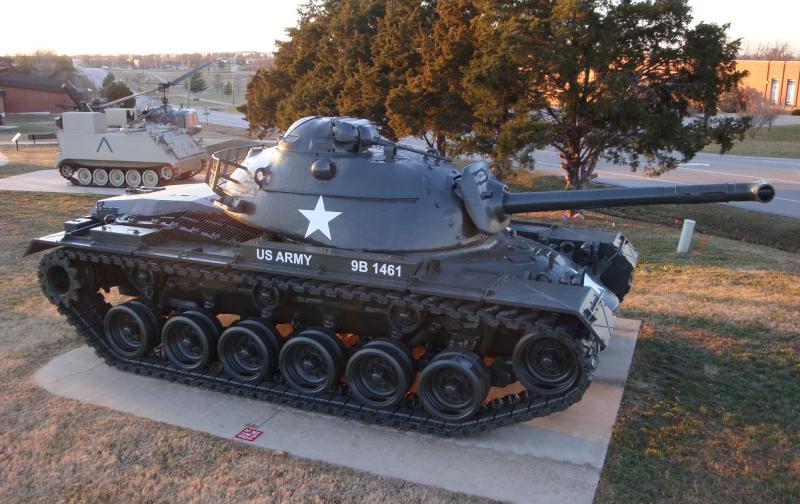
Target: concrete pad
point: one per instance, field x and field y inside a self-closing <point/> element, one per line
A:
<point x="52" y="181"/>
<point x="552" y="459"/>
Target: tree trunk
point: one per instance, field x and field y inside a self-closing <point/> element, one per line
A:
<point x="572" y="164"/>
<point x="441" y="144"/>
<point x="572" y="174"/>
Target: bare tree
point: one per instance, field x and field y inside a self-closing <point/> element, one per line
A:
<point x="776" y="51"/>
<point x="751" y="102"/>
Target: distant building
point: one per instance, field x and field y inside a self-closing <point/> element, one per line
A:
<point x="29" y="93"/>
<point x="778" y="81"/>
<point x="6" y="64"/>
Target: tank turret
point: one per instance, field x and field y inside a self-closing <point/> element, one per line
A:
<point x="336" y="182"/>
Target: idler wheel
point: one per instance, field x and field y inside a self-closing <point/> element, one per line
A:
<point x="454" y="385"/>
<point x="545" y="364"/>
<point x="312" y="361"/>
<point x="248" y="350"/>
<point x="131" y="328"/>
<point x="380" y="374"/>
<point x="190" y="339"/>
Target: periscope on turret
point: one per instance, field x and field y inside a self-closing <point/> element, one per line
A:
<point x="366" y="279"/>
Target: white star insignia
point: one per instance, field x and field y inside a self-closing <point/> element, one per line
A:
<point x="318" y="219"/>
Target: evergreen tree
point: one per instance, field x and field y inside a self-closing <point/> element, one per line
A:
<point x="615" y="79"/>
<point x="197" y="84"/>
<point x="108" y="80"/>
<point x="117" y="90"/>
<point x="430" y="99"/>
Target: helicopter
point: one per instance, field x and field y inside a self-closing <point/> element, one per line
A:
<point x="105" y="146"/>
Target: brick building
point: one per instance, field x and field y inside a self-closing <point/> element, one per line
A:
<point x="778" y="81"/>
<point x="27" y="93"/>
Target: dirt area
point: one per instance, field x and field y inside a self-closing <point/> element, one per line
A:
<point x="54" y="449"/>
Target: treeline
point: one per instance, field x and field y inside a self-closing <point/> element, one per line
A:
<point x="627" y="81"/>
<point x="45" y="64"/>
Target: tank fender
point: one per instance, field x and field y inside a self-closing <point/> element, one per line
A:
<point x="583" y="302"/>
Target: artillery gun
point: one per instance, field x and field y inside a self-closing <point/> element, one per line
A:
<point x="104" y="146"/>
<point x="343" y="273"/>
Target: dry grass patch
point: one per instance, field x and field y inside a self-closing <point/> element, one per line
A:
<point x="29" y="158"/>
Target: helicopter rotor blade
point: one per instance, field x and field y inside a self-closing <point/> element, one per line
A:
<point x="120" y="100"/>
<point x="188" y="74"/>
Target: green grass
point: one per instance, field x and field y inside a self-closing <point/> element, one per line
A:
<point x="781" y="142"/>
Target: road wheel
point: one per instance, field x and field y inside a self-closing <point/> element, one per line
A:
<point x="131" y="331"/>
<point x="99" y="177"/>
<point x="190" y="340"/>
<point x="83" y="176"/>
<point x="133" y="178"/>
<point x="248" y="350"/>
<point x="312" y="361"/>
<point x="380" y="374"/>
<point x="454" y="385"/>
<point x="116" y="177"/>
<point x="149" y="178"/>
<point x="545" y="364"/>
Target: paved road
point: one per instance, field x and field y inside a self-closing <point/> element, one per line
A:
<point x="96" y="75"/>
<point x="784" y="174"/>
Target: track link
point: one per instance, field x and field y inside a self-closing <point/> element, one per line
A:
<point x="86" y="312"/>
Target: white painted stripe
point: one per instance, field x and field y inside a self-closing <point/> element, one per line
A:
<point x="787" y="199"/>
<point x="749" y="177"/>
<point x="694" y="164"/>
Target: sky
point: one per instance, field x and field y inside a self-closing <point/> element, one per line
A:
<point x="146" y="26"/>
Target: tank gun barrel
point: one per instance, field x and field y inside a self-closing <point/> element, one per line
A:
<point x="514" y="203"/>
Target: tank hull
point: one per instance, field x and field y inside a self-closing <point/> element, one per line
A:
<point x="507" y="287"/>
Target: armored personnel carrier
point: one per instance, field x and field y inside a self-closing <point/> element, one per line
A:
<point x="343" y="273"/>
<point x="147" y="154"/>
<point x="104" y="146"/>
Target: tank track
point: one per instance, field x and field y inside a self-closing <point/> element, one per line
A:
<point x="86" y="311"/>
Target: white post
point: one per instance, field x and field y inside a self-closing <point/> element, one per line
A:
<point x="686" y="236"/>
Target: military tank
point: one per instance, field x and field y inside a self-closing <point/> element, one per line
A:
<point x="343" y="273"/>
